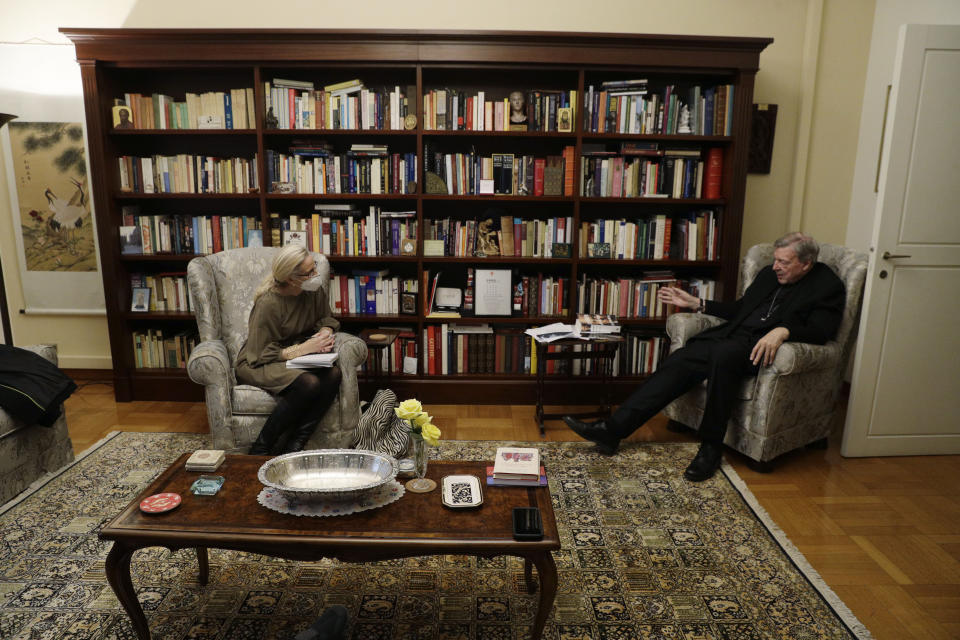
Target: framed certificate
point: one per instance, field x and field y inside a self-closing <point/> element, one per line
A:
<point x="492" y="295"/>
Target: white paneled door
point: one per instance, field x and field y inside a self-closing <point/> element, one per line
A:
<point x="905" y="393"/>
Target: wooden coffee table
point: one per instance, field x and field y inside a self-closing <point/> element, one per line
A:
<point x="414" y="525"/>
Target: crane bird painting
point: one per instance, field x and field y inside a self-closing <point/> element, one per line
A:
<point x="53" y="196"/>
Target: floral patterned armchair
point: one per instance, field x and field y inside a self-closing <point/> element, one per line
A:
<point x="29" y="451"/>
<point x="792" y="402"/>
<point x="221" y="288"/>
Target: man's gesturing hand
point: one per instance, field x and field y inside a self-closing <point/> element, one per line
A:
<point x="766" y="347"/>
<point x="678" y="297"/>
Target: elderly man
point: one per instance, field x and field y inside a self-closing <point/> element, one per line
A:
<point x="796" y="299"/>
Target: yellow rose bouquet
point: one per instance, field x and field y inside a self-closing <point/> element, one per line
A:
<point x="422" y="432"/>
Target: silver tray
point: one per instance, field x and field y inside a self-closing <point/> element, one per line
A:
<point x="327" y="474"/>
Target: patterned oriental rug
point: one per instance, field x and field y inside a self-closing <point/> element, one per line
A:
<point x="646" y="555"/>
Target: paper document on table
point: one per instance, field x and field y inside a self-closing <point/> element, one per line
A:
<point x="551" y="332"/>
<point x="313" y="361"/>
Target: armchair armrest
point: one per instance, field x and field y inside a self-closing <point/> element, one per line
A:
<point x="210" y="364"/>
<point x="351" y="350"/>
<point x="683" y="326"/>
<point x="800" y="357"/>
<point x="45" y="351"/>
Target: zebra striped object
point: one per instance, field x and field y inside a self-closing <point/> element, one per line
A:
<point x="380" y="429"/>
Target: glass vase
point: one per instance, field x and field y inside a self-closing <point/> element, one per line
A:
<point x="420" y="484"/>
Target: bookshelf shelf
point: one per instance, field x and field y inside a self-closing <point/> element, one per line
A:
<point x="496" y="260"/>
<point x="496" y="198"/>
<point x="348" y="133"/>
<point x="565" y="135"/>
<point x="125" y="133"/>
<point x="160" y="315"/>
<point x="667" y="138"/>
<point x="341" y="196"/>
<point x="126" y="195"/>
<point x="554" y="70"/>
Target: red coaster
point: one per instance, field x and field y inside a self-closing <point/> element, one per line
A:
<point x="160" y="502"/>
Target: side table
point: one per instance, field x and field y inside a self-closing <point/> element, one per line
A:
<point x="601" y="349"/>
<point x="378" y="340"/>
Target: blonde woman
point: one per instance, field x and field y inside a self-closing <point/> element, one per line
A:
<point x="291" y="317"/>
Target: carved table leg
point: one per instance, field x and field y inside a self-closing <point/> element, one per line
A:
<point x="118" y="575"/>
<point x="547" y="571"/>
<point x="204" y="566"/>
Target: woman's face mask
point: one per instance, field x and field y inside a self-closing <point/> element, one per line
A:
<point x="312" y="283"/>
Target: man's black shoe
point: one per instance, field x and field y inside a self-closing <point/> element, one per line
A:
<point x="329" y="626"/>
<point x="705" y="463"/>
<point x="595" y="432"/>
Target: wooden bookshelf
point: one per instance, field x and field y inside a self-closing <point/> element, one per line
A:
<point x="175" y="62"/>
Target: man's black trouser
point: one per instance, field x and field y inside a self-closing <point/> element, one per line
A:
<point x="722" y="362"/>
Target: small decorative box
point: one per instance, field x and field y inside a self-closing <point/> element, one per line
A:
<point x="461" y="491"/>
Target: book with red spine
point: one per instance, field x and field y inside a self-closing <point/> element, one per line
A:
<point x="714" y="174"/>
<point x="538" y="166"/>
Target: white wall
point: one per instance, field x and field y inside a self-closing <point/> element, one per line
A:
<point x="816" y="62"/>
<point x="889" y="15"/>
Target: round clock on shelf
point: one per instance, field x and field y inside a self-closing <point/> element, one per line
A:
<point x="410" y="122"/>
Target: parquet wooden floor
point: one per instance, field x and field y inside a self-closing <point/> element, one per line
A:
<point x="883" y="532"/>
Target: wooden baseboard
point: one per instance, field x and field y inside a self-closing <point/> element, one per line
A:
<point x="86" y="375"/>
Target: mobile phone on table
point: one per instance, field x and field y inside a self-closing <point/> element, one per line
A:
<point x="527" y="524"/>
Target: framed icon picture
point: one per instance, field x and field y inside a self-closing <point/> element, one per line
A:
<point x="141" y="299"/>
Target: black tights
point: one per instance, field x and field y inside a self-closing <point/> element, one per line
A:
<point x="299" y="408"/>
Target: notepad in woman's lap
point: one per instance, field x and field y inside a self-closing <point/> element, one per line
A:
<point x="313" y="361"/>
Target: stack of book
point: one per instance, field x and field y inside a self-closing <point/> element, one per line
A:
<point x="517" y="467"/>
<point x="205" y="460"/>
<point x="596" y="324"/>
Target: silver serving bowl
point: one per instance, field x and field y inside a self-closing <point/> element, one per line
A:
<point x="327" y="474"/>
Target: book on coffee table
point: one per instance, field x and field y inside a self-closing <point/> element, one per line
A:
<point x="205" y="460"/>
<point x="514" y="482"/>
<point x="517" y="463"/>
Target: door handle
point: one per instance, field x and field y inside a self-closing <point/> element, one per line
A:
<point x="893" y="256"/>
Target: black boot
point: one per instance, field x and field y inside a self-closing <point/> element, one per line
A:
<point x="299" y="436"/>
<point x="330" y="625"/>
<point x="596" y="432"/>
<point x="705" y="463"/>
<point x="269" y="434"/>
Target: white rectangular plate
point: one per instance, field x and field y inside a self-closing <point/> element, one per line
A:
<point x="461" y="491"/>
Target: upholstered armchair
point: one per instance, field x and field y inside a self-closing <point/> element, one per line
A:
<point x="29" y="451"/>
<point x="790" y="403"/>
<point x="222" y="286"/>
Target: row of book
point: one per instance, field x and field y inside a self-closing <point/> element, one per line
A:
<point x="186" y="173"/>
<point x="693" y="235"/>
<point x="630" y="109"/>
<point x="370" y="292"/>
<point x="449" y="348"/>
<point x="504" y="173"/>
<point x="631" y="177"/>
<point x="635" y="297"/>
<point x="168" y="291"/>
<point x="185" y="234"/>
<point x="399" y="358"/>
<point x="539" y="110"/>
<point x="342" y="230"/>
<point x="513" y="236"/>
<point x="348" y="172"/>
<point x="624" y="297"/>
<point x="232" y="109"/>
<point x="297" y="104"/>
<point x="157" y="349"/>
